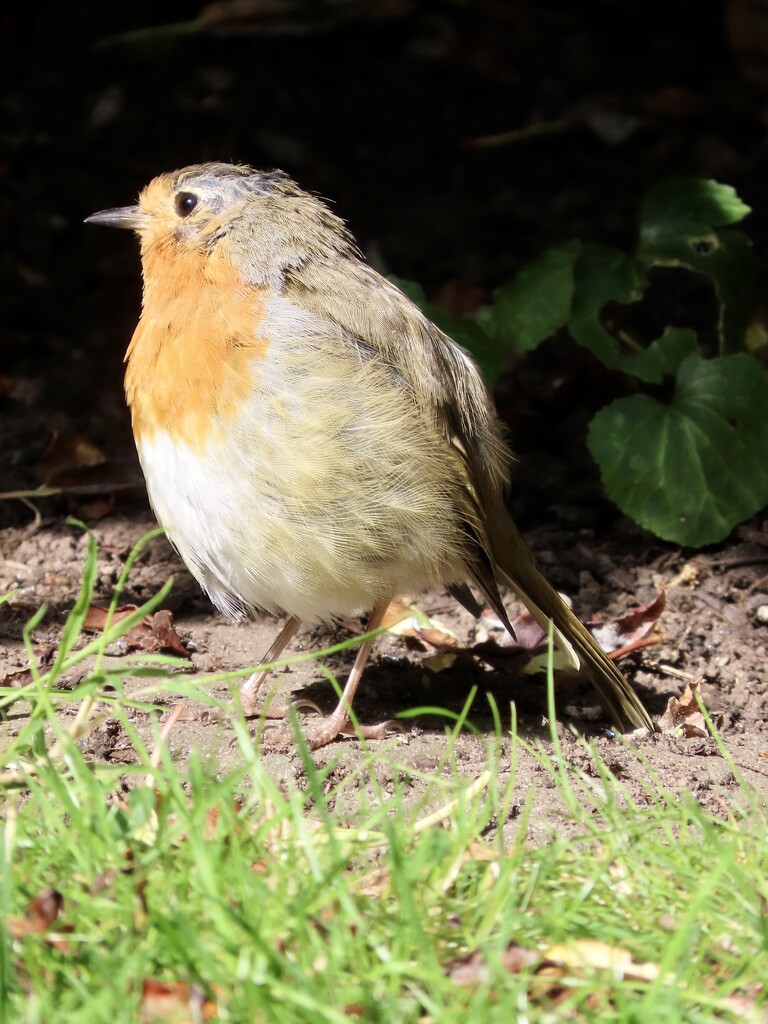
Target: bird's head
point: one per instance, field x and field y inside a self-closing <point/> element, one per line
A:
<point x="264" y="219"/>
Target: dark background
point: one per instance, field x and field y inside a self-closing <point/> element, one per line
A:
<point x="389" y="109"/>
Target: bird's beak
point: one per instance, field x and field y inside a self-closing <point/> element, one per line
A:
<point x="132" y="217"/>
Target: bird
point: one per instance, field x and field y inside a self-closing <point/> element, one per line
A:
<point x="312" y="444"/>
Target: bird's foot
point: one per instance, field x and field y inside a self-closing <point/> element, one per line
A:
<point x="196" y="713"/>
<point x="320" y="734"/>
<point x="254" y="707"/>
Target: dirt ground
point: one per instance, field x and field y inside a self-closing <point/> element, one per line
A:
<point x="458" y="140"/>
<point x="713" y="629"/>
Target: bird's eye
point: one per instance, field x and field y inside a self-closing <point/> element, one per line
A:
<point x="185" y="203"/>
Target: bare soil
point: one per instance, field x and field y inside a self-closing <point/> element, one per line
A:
<point x="711" y="630"/>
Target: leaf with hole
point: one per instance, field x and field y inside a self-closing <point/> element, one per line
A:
<point x="687" y="223"/>
<point x="602" y="275"/>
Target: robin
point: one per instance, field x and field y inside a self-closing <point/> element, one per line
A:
<point x="311" y="442"/>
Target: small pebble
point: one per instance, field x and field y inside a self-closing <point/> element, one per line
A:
<point x="761" y="614"/>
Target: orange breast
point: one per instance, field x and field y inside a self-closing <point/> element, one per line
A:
<point x="191" y="358"/>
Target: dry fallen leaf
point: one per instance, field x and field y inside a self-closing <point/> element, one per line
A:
<point x="404" y="619"/>
<point x="155" y="633"/>
<point x="175" y="1002"/>
<point x="19" y="677"/>
<point x="472" y="969"/>
<point x="619" y="635"/>
<point x="528" y="648"/>
<point x="96" y="616"/>
<point x="683" y="714"/>
<point x="526" y="653"/>
<point x="528" y="633"/>
<point x="42" y="911"/>
<point x="552" y="968"/>
<point x="163" y="634"/>
<point x="46" y="655"/>
<point x="628" y="629"/>
<point x="588" y="954"/>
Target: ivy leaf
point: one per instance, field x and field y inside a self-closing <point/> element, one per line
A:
<point x="677" y="206"/>
<point x="692" y="469"/>
<point x="681" y="225"/>
<point x="537" y="301"/>
<point x="602" y="275"/>
<point x="662" y="358"/>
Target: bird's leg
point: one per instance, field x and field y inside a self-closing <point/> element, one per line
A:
<point x="338" y="722"/>
<point x="249" y="692"/>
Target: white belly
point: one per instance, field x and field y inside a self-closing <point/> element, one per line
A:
<point x="327" y="494"/>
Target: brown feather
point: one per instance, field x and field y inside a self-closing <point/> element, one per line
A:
<point x="447" y="386"/>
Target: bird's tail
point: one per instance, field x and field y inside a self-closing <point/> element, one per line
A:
<point x="516" y="567"/>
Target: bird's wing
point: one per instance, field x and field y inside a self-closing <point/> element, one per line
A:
<point x="376" y="319"/>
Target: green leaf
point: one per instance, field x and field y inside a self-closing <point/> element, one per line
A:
<point x="692" y="469"/>
<point x="468" y="331"/>
<point x="662" y="357"/>
<point x="537" y="301"/>
<point x="669" y="205"/>
<point x="602" y="275"/>
<point x="680" y="222"/>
